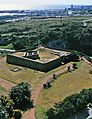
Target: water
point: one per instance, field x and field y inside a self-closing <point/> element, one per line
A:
<point x="11" y="14"/>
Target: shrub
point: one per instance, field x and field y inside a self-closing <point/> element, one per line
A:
<point x="70" y="105"/>
<point x="21" y="94"/>
<point x="7" y="104"/>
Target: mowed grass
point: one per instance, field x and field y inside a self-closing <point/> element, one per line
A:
<point x="64" y="86"/>
<point x="25" y="74"/>
<point x="2" y="91"/>
<point x="19" y="76"/>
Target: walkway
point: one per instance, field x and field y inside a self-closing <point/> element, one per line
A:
<point x="30" y="114"/>
<point x="6" y="84"/>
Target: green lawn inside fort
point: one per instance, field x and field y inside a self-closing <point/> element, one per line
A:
<point x="63" y="86"/>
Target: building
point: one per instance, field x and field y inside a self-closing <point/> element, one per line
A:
<point x="32" y="54"/>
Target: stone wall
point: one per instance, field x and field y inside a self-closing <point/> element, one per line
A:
<point x="25" y="62"/>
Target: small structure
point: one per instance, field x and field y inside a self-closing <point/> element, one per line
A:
<point x="32" y="54"/>
<point x="15" y="69"/>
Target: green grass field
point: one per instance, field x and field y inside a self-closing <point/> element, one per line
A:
<point x="64" y="86"/>
<point x="7" y="46"/>
<point x="25" y="74"/>
<point x="2" y="91"/>
<point x="22" y="75"/>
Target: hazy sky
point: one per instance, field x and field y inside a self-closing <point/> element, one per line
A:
<point x="30" y="4"/>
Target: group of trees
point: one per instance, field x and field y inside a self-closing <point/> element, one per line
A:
<point x="70" y="105"/>
<point x="74" y="36"/>
<point x="66" y="34"/>
<point x="17" y="100"/>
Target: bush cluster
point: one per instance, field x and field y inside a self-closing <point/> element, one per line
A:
<point x="19" y="99"/>
<point x="70" y="105"/>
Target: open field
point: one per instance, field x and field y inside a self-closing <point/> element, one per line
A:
<point x="65" y="85"/>
<point x="2" y="91"/>
<point x="25" y="74"/>
<point x="22" y="75"/>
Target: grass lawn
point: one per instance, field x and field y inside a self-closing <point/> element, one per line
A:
<point x="2" y="91"/>
<point x="65" y="85"/>
<point x="23" y="75"/>
<point x="10" y="46"/>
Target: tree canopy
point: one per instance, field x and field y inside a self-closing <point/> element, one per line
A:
<point x="70" y="105"/>
<point x="21" y="96"/>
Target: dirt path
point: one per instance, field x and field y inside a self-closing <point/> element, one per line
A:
<point x="6" y="84"/>
<point x="30" y="114"/>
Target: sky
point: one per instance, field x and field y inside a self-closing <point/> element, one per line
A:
<point x="33" y="4"/>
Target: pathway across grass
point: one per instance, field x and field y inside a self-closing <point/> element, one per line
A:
<point x="64" y="86"/>
<point x="30" y="114"/>
<point x="6" y="84"/>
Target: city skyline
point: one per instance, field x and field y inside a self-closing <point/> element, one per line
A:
<point x="34" y="4"/>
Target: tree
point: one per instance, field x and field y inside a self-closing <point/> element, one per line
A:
<point x="17" y="114"/>
<point x="6" y="107"/>
<point x="70" y="105"/>
<point x="21" y="94"/>
<point x="3" y="113"/>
